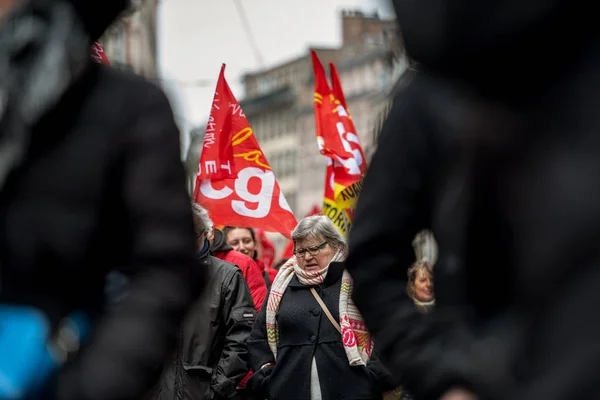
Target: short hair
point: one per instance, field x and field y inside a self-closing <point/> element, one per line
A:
<point x="202" y="222"/>
<point x="321" y="227"/>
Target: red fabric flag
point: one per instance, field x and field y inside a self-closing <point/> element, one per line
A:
<point x="98" y="54"/>
<point x="235" y="182"/>
<point x="338" y="141"/>
<point x="336" y="87"/>
<point x="337" y="138"/>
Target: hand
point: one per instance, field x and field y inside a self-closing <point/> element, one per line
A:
<point x="458" y="394"/>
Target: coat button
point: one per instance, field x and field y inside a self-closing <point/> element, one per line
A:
<point x="315" y="311"/>
<point x="313" y="338"/>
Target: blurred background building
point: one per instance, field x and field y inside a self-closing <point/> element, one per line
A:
<point x="131" y="45"/>
<point x="279" y="104"/>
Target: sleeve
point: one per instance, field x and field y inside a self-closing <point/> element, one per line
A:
<point x="391" y="210"/>
<point x="393" y="207"/>
<point x="380" y="375"/>
<point x="260" y="354"/>
<point x="238" y="316"/>
<point x="131" y="342"/>
<point x="256" y="283"/>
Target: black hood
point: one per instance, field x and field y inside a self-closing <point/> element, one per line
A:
<point x="97" y="15"/>
<point x="219" y="244"/>
<point x="487" y="43"/>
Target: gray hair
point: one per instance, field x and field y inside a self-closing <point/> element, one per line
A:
<point x="202" y="222"/>
<point x="320" y="227"/>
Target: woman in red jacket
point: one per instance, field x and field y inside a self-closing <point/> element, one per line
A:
<point x="244" y="241"/>
<point x="251" y="271"/>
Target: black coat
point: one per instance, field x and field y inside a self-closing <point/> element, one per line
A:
<point x="212" y="356"/>
<point x="103" y="188"/>
<point x="304" y="332"/>
<point x="517" y="282"/>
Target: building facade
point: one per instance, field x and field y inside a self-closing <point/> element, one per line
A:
<point x="130" y="43"/>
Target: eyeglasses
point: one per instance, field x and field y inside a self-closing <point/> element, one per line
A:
<point x="313" y="250"/>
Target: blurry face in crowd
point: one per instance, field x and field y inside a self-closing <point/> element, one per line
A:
<point x="313" y="254"/>
<point x="241" y="240"/>
<point x="423" y="286"/>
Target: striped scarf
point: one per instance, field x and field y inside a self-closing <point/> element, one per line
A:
<point x="357" y="341"/>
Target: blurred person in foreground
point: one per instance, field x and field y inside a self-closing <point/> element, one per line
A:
<point x="494" y="145"/>
<point x="212" y="356"/>
<point x="90" y="181"/>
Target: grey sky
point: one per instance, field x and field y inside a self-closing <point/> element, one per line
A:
<point x="196" y="36"/>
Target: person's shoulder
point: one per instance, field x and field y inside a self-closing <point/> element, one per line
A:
<point x="416" y="94"/>
<point x="126" y="89"/>
<point x="222" y="267"/>
<point x="240" y="259"/>
<point x="115" y="76"/>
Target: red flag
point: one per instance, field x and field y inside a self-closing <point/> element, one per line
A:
<point x="235" y="182"/>
<point x="337" y="138"/>
<point x="98" y="54"/>
<point x="327" y="116"/>
<point x="336" y="86"/>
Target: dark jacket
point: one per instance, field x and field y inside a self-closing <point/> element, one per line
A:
<point x="504" y="171"/>
<point x="98" y="186"/>
<point x="212" y="356"/>
<point x="103" y="188"/>
<point x="304" y="332"/>
<point x="247" y="265"/>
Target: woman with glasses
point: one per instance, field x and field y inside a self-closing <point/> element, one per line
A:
<point x="310" y="341"/>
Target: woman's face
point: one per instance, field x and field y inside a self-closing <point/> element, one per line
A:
<point x="313" y="254"/>
<point x="241" y="240"/>
<point x="423" y="286"/>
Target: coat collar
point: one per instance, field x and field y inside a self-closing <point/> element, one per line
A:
<point x="334" y="274"/>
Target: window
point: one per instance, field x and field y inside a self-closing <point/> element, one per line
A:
<point x="276" y="125"/>
<point x="265" y="85"/>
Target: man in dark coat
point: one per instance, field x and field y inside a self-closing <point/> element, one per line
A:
<point x="91" y="181"/>
<point x="212" y="356"/>
<point x="495" y="146"/>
